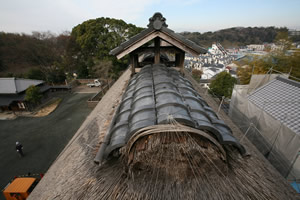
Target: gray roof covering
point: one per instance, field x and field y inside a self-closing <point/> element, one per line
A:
<point x="157" y="23"/>
<point x="213" y="69"/>
<point x="281" y="99"/>
<point x="219" y="65"/>
<point x="156" y="94"/>
<point x="16" y="85"/>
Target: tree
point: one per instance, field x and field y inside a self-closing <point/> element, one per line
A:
<point x="33" y="95"/>
<point x="54" y="74"/>
<point x="1" y="65"/>
<point x="234" y="37"/>
<point x="279" y="61"/>
<point x="222" y="85"/>
<point x="21" y="52"/>
<point x="36" y="74"/>
<point x="197" y="74"/>
<point x="93" y="40"/>
<point x="244" y="73"/>
<point x="57" y="75"/>
<point x="282" y="39"/>
<point x="102" y="68"/>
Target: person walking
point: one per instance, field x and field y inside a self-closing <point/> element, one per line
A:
<point x="19" y="148"/>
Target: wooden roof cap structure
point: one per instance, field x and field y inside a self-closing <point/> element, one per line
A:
<point x="157" y="28"/>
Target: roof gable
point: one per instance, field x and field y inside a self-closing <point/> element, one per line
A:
<point x="157" y="28"/>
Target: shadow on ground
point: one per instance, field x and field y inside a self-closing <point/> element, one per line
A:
<point x="43" y="138"/>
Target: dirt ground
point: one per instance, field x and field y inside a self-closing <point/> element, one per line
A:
<point x="49" y="108"/>
<point x="44" y="110"/>
<point x="43" y="137"/>
<point x="85" y="89"/>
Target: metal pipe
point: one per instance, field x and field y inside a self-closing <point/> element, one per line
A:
<point x="223" y="97"/>
<point x="292" y="165"/>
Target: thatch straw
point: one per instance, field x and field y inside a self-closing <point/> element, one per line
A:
<point x="74" y="176"/>
<point x="176" y="164"/>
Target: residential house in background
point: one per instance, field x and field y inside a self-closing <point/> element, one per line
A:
<point x="212" y="63"/>
<point x="255" y="47"/>
<point x="294" y="32"/>
<point x="12" y="92"/>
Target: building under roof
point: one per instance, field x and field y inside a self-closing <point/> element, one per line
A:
<point x="271" y="113"/>
<point x="280" y="98"/>
<point x="165" y="41"/>
<point x="12" y="92"/>
<point x="158" y="139"/>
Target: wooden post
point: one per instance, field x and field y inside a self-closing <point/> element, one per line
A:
<point x="179" y="59"/>
<point x="156" y="50"/>
<point x="181" y="62"/>
<point x="132" y="63"/>
<point x="136" y="60"/>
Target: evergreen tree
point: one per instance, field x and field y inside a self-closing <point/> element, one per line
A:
<point x="33" y="95"/>
<point x="222" y="85"/>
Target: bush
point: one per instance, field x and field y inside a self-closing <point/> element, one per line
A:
<point x="36" y="74"/>
<point x="197" y="74"/>
<point x="33" y="95"/>
<point x="222" y="85"/>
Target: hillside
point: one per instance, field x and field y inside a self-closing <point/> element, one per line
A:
<point x="235" y="37"/>
<point x="85" y="50"/>
<point x="21" y="52"/>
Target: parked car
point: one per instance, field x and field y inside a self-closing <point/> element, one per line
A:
<point x="96" y="83"/>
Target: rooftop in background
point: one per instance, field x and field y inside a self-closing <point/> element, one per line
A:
<point x="281" y="99"/>
<point x="16" y="85"/>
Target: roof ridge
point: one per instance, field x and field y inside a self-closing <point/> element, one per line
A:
<point x="288" y="81"/>
<point x="157" y="28"/>
<point x="15" y="85"/>
<point x="7" y="78"/>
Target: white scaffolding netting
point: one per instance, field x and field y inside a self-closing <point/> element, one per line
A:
<point x="271" y="124"/>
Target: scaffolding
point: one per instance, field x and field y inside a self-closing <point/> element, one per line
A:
<point x="278" y="143"/>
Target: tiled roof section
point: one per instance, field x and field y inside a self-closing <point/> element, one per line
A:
<point x="189" y="43"/>
<point x="281" y="99"/>
<point x="131" y="41"/>
<point x="16" y="85"/>
<point x="157" y="23"/>
<point x="154" y="96"/>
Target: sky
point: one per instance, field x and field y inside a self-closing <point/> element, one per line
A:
<point x="57" y="16"/>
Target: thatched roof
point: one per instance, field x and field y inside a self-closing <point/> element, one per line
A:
<point x="74" y="175"/>
<point x="154" y="96"/>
